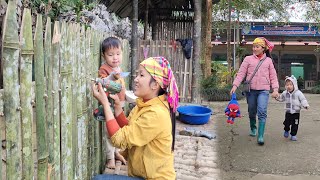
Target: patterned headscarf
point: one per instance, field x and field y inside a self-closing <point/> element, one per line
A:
<point x="264" y="43"/>
<point x="160" y="70"/>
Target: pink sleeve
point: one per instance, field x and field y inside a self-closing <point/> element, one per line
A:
<point x="241" y="73"/>
<point x="273" y="76"/>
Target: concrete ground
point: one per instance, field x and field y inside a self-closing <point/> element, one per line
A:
<point x="239" y="157"/>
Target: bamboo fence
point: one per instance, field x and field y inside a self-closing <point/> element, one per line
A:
<point x="46" y="125"/>
<point x="181" y="66"/>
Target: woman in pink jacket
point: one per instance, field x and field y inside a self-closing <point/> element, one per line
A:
<point x="261" y="82"/>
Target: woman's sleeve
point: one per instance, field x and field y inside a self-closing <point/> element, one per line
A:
<point x="141" y="131"/>
<point x="122" y="120"/>
<point x="241" y="73"/>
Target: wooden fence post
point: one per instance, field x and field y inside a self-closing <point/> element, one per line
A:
<point x="66" y="104"/>
<point x="2" y="129"/>
<point x="26" y="41"/>
<point x="56" y="40"/>
<point x="89" y="102"/>
<point x="49" y="108"/>
<point x="75" y="90"/>
<point x="81" y="170"/>
<point x="11" y="98"/>
<point x="85" y="119"/>
<point x="41" y="122"/>
<point x="97" y="125"/>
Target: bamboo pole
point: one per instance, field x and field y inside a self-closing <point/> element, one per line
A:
<point x="40" y="101"/>
<point x="89" y="45"/>
<point x="48" y="67"/>
<point x="66" y="104"/>
<point x="56" y="40"/>
<point x="2" y="130"/>
<point x="25" y="93"/>
<point x="97" y="125"/>
<point x="11" y="98"/>
<point x="75" y="90"/>
<point x="82" y="123"/>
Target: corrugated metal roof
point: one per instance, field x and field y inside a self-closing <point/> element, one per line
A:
<point x="123" y="8"/>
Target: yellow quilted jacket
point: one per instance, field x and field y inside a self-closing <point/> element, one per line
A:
<point x="147" y="139"/>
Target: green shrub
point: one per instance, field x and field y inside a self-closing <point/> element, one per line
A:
<point x="315" y="90"/>
<point x="214" y="88"/>
<point x="219" y="94"/>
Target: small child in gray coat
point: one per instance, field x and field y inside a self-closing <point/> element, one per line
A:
<point x="294" y="101"/>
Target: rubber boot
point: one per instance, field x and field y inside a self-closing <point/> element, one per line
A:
<point x="261" y="133"/>
<point x="253" y="127"/>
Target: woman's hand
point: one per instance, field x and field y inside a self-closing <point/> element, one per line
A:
<point x="116" y="99"/>
<point x="99" y="94"/>
<point x="275" y="94"/>
<point x="233" y="90"/>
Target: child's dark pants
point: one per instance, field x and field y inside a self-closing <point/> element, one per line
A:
<point x="293" y="121"/>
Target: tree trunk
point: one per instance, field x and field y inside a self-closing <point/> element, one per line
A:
<point x="206" y="25"/>
<point x="196" y="70"/>
<point x="146" y="20"/>
<point x="208" y="39"/>
<point x="134" y="40"/>
<point x="229" y="58"/>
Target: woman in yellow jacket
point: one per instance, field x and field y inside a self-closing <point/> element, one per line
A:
<point x="148" y="132"/>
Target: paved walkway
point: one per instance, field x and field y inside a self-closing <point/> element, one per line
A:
<point x="234" y="155"/>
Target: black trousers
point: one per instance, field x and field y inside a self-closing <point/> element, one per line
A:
<point x="293" y="121"/>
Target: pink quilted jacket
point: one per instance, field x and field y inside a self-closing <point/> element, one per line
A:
<point x="265" y="77"/>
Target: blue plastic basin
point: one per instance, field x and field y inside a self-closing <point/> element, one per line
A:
<point x="191" y="114"/>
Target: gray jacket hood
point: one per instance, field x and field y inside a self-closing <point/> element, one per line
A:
<point x="294" y="82"/>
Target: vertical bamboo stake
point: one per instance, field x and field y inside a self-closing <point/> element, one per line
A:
<point x="2" y="176"/>
<point x="40" y="101"/>
<point x="66" y="104"/>
<point x="89" y="102"/>
<point x="97" y="125"/>
<point x="74" y="87"/>
<point x="75" y="95"/>
<point x="56" y="103"/>
<point x="104" y="136"/>
<point x="11" y="99"/>
<point x="25" y="93"/>
<point x="81" y="106"/>
<point x="49" y="109"/>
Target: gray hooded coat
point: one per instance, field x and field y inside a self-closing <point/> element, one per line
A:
<point x="294" y="100"/>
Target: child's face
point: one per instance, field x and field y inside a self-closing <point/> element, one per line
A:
<point x="289" y="86"/>
<point x="113" y="57"/>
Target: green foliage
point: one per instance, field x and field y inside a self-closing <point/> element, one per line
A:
<point x="316" y="89"/>
<point x="219" y="93"/>
<point x="256" y="9"/>
<point x="53" y="8"/>
<point x="219" y="76"/>
<point x="241" y="52"/>
<point x="215" y="88"/>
